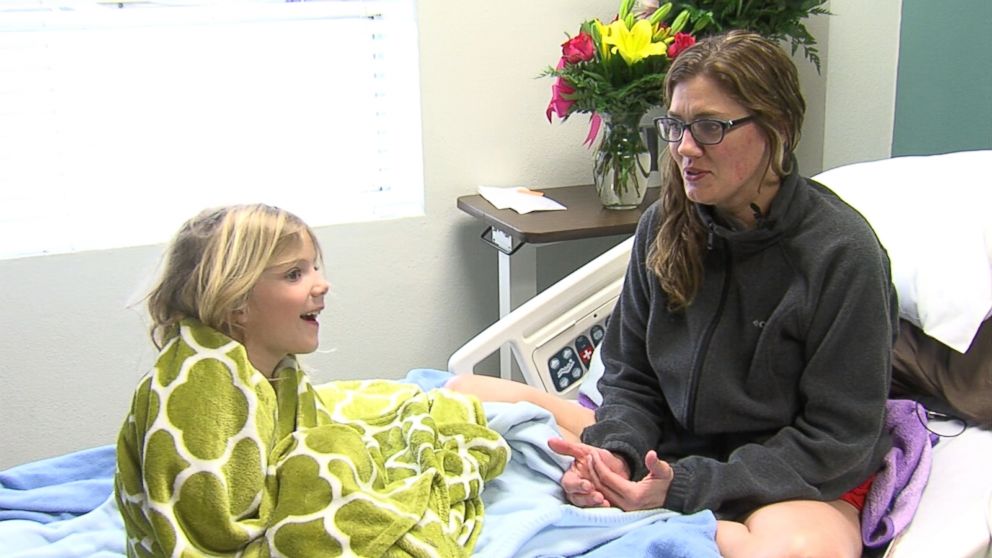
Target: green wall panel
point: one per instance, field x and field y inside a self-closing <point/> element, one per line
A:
<point x="944" y="84"/>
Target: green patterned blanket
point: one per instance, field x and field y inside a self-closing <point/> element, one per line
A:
<point x="216" y="459"/>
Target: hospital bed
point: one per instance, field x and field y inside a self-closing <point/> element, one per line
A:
<point x="549" y="334"/>
<point x="62" y="506"/>
<point x="942" y="267"/>
<point x="552" y="336"/>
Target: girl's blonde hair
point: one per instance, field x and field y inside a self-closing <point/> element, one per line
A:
<point x="761" y="77"/>
<point x="214" y="261"/>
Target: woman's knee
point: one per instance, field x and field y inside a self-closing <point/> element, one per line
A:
<point x="805" y="529"/>
<point x="818" y="543"/>
<point x="784" y="544"/>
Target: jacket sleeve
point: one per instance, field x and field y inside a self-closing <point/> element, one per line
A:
<point x="631" y="393"/>
<point x="837" y="438"/>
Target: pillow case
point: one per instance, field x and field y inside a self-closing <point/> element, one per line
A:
<point x="933" y="214"/>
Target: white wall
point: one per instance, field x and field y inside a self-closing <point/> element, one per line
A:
<point x="405" y="293"/>
<point x="860" y="99"/>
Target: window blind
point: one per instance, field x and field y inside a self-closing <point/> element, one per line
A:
<point x="118" y="121"/>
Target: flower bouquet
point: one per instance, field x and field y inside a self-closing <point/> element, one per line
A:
<point x="615" y="72"/>
<point x="782" y="20"/>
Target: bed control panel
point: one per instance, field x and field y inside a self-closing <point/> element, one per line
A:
<point x="571" y="353"/>
<point x="565" y="368"/>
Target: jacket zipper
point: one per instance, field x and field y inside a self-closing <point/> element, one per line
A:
<point x="690" y="410"/>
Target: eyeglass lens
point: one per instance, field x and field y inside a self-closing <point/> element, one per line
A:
<point x="705" y="131"/>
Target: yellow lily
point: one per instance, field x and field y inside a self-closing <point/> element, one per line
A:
<point x="632" y="44"/>
<point x="603" y="31"/>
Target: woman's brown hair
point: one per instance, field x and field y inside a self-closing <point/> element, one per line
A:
<point x="761" y="77"/>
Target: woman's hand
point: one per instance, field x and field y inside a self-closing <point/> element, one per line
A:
<point x="597" y="478"/>
<point x="647" y="493"/>
<point x="577" y="482"/>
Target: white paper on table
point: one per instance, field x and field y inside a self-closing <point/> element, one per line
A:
<point x="520" y="199"/>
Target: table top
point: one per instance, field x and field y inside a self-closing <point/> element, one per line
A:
<point x="584" y="216"/>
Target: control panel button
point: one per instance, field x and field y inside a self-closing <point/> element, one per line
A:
<point x="565" y="368"/>
<point x="597" y="333"/>
<point x="585" y="348"/>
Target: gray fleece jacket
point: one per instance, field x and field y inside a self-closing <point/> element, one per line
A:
<point x="772" y="384"/>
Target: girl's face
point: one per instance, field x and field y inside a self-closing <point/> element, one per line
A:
<point x="725" y="175"/>
<point x="281" y="315"/>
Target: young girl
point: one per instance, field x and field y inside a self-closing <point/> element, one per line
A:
<point x="228" y="448"/>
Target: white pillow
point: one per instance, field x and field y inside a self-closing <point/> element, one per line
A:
<point x="933" y="214"/>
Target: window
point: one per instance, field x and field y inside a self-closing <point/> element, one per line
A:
<point x="120" y="120"/>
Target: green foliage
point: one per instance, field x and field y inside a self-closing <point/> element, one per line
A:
<point x="614" y="87"/>
<point x="777" y="19"/>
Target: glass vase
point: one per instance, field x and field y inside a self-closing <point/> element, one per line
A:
<point x="622" y="162"/>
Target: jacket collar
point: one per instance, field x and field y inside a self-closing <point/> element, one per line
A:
<point x="785" y="212"/>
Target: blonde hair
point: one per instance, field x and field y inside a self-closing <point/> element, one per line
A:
<point x="213" y="262"/>
<point x="760" y="76"/>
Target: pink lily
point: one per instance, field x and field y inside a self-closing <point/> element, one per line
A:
<point x="595" y="121"/>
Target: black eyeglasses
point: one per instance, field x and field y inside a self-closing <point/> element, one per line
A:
<point x="706" y="131"/>
<point x="941" y="424"/>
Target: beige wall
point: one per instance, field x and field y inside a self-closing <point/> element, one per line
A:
<point x="860" y="97"/>
<point x="405" y="293"/>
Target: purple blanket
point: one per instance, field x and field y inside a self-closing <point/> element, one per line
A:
<point x="898" y="486"/>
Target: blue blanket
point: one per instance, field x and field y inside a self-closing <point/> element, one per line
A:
<point x="526" y="516"/>
<point x="63" y="506"/>
<point x="56" y="489"/>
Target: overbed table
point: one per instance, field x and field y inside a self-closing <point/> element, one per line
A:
<point x="515" y="236"/>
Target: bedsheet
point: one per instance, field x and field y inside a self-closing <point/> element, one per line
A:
<point x="63" y="506"/>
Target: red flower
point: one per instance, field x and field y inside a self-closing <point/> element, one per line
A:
<point x="682" y="41"/>
<point x="579" y="48"/>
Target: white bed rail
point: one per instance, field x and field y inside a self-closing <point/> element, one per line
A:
<point x="551" y="336"/>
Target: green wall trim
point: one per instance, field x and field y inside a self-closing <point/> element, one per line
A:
<point x="944" y="84"/>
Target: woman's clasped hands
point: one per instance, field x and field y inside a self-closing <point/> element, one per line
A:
<point x="598" y="478"/>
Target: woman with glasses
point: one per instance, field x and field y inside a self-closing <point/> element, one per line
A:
<point x="747" y="361"/>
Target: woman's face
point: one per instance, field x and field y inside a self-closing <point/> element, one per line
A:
<point x="725" y="175"/>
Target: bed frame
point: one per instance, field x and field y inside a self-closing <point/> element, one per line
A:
<point x="551" y="336"/>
